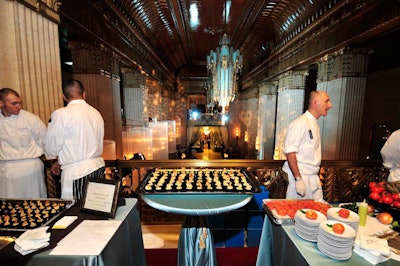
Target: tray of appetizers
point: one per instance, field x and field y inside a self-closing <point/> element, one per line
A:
<point x="282" y="211"/>
<point x="25" y="214"/>
<point x="217" y="180"/>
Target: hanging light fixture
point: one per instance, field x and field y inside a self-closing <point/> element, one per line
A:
<point x="224" y="65"/>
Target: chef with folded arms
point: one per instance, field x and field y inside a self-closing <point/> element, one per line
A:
<point x="303" y="150"/>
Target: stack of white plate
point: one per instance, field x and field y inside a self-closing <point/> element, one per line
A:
<point x="333" y="245"/>
<point x="353" y="220"/>
<point x="307" y="228"/>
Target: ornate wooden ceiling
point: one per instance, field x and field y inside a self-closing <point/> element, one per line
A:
<point x="170" y="39"/>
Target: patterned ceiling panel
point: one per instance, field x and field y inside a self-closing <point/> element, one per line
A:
<point x="169" y="38"/>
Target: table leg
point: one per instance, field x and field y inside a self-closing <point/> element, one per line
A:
<point x="196" y="244"/>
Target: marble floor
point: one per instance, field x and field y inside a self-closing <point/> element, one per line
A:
<point x="208" y="154"/>
<point x="160" y="235"/>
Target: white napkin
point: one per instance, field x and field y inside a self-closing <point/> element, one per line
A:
<point x="32" y="240"/>
<point x="372" y="257"/>
<point x="373" y="244"/>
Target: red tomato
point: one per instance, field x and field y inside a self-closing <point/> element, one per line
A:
<point x="271" y="205"/>
<point x="291" y="213"/>
<point x="371" y="185"/>
<point x="396" y="204"/>
<point x="377" y="189"/>
<point x="338" y="228"/>
<point x="387" y="199"/>
<point x="311" y="214"/>
<point x="374" y="195"/>
<point x="396" y="196"/>
<point x="344" y="213"/>
<point x="281" y="211"/>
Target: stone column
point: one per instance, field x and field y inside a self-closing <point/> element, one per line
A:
<point x="266" y="120"/>
<point x="290" y="105"/>
<point x="98" y="70"/>
<point x="343" y="76"/>
<point x="134" y="98"/>
<point x="30" y="56"/>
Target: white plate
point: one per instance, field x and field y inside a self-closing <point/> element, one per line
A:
<point x="353" y="217"/>
<point x="320" y="217"/>
<point x="333" y="255"/>
<point x="349" y="231"/>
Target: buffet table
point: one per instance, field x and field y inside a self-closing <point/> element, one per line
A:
<point x="196" y="245"/>
<point x="280" y="245"/>
<point x="124" y="248"/>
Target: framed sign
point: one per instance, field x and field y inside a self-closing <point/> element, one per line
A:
<point x="101" y="196"/>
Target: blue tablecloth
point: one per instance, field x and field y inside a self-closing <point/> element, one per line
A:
<point x="196" y="245"/>
<point x="280" y="245"/>
<point x="197" y="204"/>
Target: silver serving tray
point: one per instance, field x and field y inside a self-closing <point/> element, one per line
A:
<point x="13" y="211"/>
<point x="143" y="188"/>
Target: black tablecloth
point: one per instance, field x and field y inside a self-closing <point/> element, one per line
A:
<point x="8" y="256"/>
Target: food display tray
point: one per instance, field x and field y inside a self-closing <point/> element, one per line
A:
<point x="293" y="205"/>
<point x="25" y="214"/>
<point x="217" y="180"/>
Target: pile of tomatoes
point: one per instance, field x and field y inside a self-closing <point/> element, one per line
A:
<point x="290" y="207"/>
<point x="378" y="192"/>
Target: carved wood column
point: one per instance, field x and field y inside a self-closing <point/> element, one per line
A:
<point x="343" y="76"/>
<point x="30" y="57"/>
<point x="98" y="70"/>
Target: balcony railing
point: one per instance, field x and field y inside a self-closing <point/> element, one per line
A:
<point x="341" y="181"/>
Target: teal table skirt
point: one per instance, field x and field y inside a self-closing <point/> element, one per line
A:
<point x="280" y="245"/>
<point x="196" y="245"/>
<point x="197" y="204"/>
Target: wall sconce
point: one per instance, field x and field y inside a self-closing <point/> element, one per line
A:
<point x="237" y="133"/>
<point x="246" y="136"/>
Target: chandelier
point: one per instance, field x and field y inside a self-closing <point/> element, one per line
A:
<point x="223" y="65"/>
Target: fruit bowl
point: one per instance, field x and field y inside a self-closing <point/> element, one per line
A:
<point x="395" y="212"/>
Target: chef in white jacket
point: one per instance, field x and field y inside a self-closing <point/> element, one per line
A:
<point x="391" y="156"/>
<point x="75" y="137"/>
<point x="303" y="150"/>
<point x="21" y="145"/>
